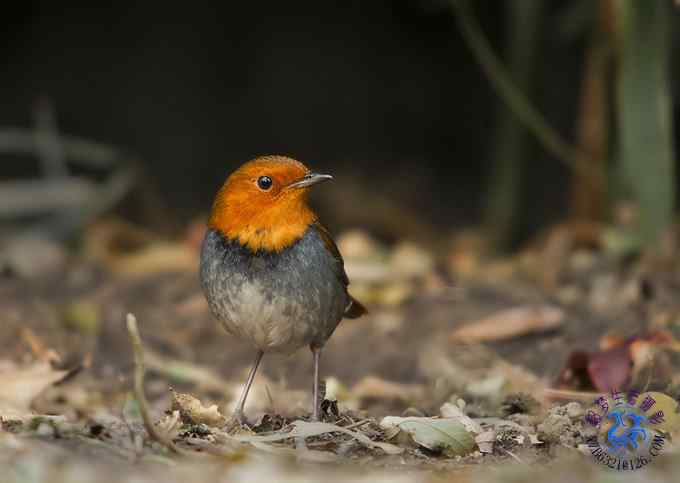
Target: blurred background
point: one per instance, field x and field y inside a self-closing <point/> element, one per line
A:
<point x="508" y="115"/>
<point x="504" y="196"/>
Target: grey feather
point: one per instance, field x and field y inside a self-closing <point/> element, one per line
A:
<point x="275" y="301"/>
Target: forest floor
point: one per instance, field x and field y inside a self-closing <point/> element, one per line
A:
<point x="465" y="369"/>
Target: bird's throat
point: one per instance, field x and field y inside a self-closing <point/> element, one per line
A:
<point x="273" y="229"/>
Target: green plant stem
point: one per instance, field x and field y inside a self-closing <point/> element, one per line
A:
<point x="518" y="103"/>
<point x="644" y="112"/>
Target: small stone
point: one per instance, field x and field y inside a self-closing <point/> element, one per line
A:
<point x="574" y="410"/>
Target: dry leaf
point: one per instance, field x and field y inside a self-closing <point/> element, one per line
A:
<point x="445" y="435"/>
<point x="192" y="411"/>
<point x="616" y="365"/>
<point x="670" y="421"/>
<point x="610" y="369"/>
<point x="510" y="323"/>
<point x="301" y="454"/>
<point x="171" y="425"/>
<point x="452" y="411"/>
<point x="304" y="429"/>
<point x="21" y="385"/>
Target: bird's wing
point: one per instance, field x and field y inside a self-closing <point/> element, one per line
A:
<point x="354" y="308"/>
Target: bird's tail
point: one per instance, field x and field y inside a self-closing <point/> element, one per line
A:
<point x="354" y="309"/>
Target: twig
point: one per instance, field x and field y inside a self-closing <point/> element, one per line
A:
<point x="516" y="100"/>
<point x="47" y="142"/>
<point x="76" y="150"/>
<point x="71" y="201"/>
<point x="517" y="458"/>
<point x="358" y="424"/>
<point x="108" y="194"/>
<point x="569" y="395"/>
<point x="36" y="197"/>
<point x="138" y="350"/>
<point x="203" y="377"/>
<point x="650" y="373"/>
<point x="38" y="347"/>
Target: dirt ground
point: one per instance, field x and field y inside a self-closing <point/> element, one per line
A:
<point x="67" y="350"/>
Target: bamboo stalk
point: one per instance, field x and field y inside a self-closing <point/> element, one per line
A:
<point x="509" y="155"/>
<point x="644" y="112"/>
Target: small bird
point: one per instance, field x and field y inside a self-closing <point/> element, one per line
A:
<point x="270" y="271"/>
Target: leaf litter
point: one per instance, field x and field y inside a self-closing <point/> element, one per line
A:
<point x="457" y="406"/>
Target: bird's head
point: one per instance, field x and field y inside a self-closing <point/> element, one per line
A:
<point x="263" y="204"/>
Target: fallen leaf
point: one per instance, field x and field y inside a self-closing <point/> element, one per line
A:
<point x="443" y="435"/>
<point x="451" y="411"/>
<point x="510" y="323"/>
<point x="304" y="429"/>
<point x="616" y="364"/>
<point x="610" y="369"/>
<point x="171" y="425"/>
<point x="301" y="454"/>
<point x="670" y="421"/>
<point x="22" y="385"/>
<point x="192" y="411"/>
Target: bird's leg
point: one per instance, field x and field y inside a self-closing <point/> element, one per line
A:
<point x="238" y="412"/>
<point x="316" y="352"/>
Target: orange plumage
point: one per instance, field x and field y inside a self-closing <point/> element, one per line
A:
<point x="271" y="219"/>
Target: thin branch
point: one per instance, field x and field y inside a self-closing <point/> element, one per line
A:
<point x="76" y="150"/>
<point x="563" y="394"/>
<point x="47" y="195"/>
<point x="71" y="201"/>
<point x="138" y="350"/>
<point x="517" y="458"/>
<point x="358" y="424"/>
<point x="519" y="104"/>
<point x="108" y="194"/>
<point x="48" y="144"/>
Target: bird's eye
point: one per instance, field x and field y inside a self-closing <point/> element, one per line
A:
<point x="264" y="183"/>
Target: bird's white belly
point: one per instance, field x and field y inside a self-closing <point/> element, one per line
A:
<point x="275" y="302"/>
<point x="269" y="322"/>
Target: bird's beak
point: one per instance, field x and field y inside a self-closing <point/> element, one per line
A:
<point x="309" y="180"/>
